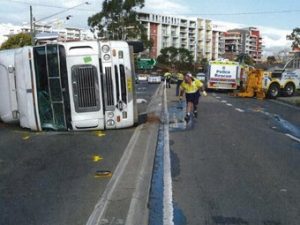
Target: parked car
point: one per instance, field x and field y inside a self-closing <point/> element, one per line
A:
<point x="143" y="77"/>
<point x="154" y="78"/>
<point x="136" y="77"/>
<point x="201" y="77"/>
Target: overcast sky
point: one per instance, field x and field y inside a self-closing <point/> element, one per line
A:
<point x="275" y="18"/>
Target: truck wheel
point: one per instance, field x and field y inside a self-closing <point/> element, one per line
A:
<point x="289" y="89"/>
<point x="273" y="91"/>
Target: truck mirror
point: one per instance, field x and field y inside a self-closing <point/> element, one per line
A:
<point x="11" y="68"/>
<point x="137" y="46"/>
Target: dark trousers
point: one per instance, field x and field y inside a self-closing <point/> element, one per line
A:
<point x="178" y="86"/>
<point x="168" y="82"/>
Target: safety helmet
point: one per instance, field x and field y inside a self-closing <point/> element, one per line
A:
<point x="189" y="74"/>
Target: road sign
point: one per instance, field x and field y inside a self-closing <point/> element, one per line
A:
<point x="146" y="63"/>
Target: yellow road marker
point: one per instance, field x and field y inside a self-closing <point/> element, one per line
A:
<point x="100" y="133"/>
<point x="103" y="174"/>
<point x="25" y="136"/>
<point x="97" y="158"/>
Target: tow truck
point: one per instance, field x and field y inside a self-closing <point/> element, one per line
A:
<point x="271" y="84"/>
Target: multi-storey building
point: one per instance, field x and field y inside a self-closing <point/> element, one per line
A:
<point x="64" y="34"/>
<point x="198" y="36"/>
<point x="204" y="38"/>
<point x="168" y="31"/>
<point x="246" y="40"/>
<point x="210" y="40"/>
<point x="218" y="43"/>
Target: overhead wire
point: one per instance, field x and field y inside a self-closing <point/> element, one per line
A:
<point x="45" y="5"/>
<point x="248" y="13"/>
<point x="186" y="14"/>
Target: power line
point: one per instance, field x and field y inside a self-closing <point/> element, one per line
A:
<point x="247" y="13"/>
<point x="44" y="5"/>
<point x="184" y="14"/>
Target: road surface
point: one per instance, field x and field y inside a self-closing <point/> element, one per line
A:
<point x="237" y="164"/>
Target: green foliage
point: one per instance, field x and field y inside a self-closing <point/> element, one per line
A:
<point x="295" y="37"/>
<point x="271" y="60"/>
<point x="179" y="59"/>
<point x="204" y="64"/>
<point x="118" y="21"/>
<point x="244" y="59"/>
<point x="16" y="41"/>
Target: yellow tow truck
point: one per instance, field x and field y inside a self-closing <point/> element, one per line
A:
<point x="263" y="84"/>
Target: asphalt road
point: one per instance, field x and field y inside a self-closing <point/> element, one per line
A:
<point x="48" y="178"/>
<point x="237" y="164"/>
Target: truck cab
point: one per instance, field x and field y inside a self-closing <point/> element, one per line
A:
<point x="285" y="81"/>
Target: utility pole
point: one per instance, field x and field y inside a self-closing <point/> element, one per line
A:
<point x="31" y="26"/>
<point x="33" y="21"/>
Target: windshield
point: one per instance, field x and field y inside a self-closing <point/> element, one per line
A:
<point x="51" y="78"/>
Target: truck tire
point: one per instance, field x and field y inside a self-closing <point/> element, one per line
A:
<point x="289" y="89"/>
<point x="273" y="91"/>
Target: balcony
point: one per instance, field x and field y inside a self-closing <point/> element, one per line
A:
<point x="174" y="44"/>
<point x="183" y="24"/>
<point x="208" y="27"/>
<point x="174" y="34"/>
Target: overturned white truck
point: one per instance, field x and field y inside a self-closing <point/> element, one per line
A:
<point x="68" y="86"/>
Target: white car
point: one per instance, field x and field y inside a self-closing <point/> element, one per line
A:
<point x="142" y="77"/>
<point x="154" y="79"/>
<point x="201" y="77"/>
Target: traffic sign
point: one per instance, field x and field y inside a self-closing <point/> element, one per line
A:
<point x="146" y="63"/>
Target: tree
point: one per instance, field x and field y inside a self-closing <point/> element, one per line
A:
<point x="271" y="60"/>
<point x="204" y="64"/>
<point x="118" y="21"/>
<point x="16" y="41"/>
<point x="185" y="60"/>
<point x="168" y="56"/>
<point x="295" y="37"/>
<point x="244" y="58"/>
<point x="176" y="58"/>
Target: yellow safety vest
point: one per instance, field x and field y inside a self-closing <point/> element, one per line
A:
<point x="191" y="88"/>
<point x="180" y="76"/>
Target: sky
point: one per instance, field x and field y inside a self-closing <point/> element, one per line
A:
<point x="275" y="18"/>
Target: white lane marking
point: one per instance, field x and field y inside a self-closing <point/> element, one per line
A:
<point x="168" y="195"/>
<point x="104" y="200"/>
<point x="141" y="100"/>
<point x="218" y="97"/>
<point x="240" y="110"/>
<point x="228" y="104"/>
<point x="224" y="101"/>
<point x="293" y="137"/>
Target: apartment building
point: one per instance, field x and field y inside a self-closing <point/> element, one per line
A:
<point x="199" y="36"/>
<point x="245" y="40"/>
<point x="218" y="43"/>
<point x="204" y="46"/>
<point x="64" y="34"/>
<point x="211" y="43"/>
<point x="166" y="31"/>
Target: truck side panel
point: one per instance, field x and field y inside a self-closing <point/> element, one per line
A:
<point x="8" y="95"/>
<point x="26" y="89"/>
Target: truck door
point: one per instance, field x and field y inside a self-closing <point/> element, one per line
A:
<point x="52" y="87"/>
